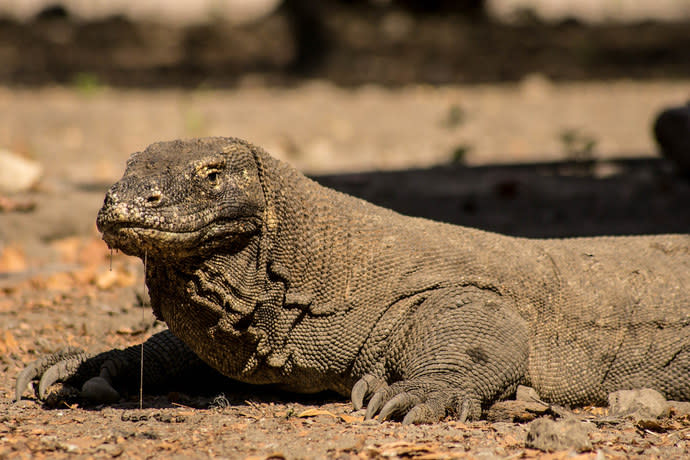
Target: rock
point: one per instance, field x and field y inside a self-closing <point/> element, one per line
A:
<point x="17" y="174"/>
<point x="680" y="408"/>
<point x="527" y="394"/>
<point x="672" y="133"/>
<point x="516" y="411"/>
<point x="526" y="407"/>
<point x="549" y="436"/>
<point x="114" y="450"/>
<point x="638" y="404"/>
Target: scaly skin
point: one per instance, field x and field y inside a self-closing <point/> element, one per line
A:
<point x="268" y="277"/>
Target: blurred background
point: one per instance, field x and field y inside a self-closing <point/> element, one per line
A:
<point x="530" y="117"/>
<point x="222" y="43"/>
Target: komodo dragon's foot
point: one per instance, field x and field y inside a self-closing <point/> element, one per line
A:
<point x="418" y="400"/>
<point x="465" y="348"/>
<point x="72" y="366"/>
<point x="168" y="362"/>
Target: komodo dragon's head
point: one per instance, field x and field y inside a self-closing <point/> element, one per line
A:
<point x="183" y="199"/>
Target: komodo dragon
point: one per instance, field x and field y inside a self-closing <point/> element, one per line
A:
<point x="270" y="278"/>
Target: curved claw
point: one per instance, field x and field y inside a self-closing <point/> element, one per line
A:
<point x="465" y="410"/>
<point x="38" y="367"/>
<point x="364" y="388"/>
<point x="359" y="391"/>
<point x="374" y="405"/>
<point x="29" y="373"/>
<point x="422" y="400"/>
<point x="422" y="413"/>
<point x="398" y="404"/>
<point x="59" y="372"/>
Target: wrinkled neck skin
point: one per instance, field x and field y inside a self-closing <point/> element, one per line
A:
<point x="276" y="303"/>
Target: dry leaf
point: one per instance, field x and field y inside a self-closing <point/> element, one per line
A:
<point x="315" y="413"/>
<point x="12" y="259"/>
<point x="83" y="442"/>
<point x="350" y="419"/>
<point x="237" y="427"/>
<point x="404" y="448"/>
<point x="8" y="343"/>
<point x="84" y="276"/>
<point x="93" y="252"/>
<point x="166" y="445"/>
<point x="275" y="456"/>
<point x="140" y="328"/>
<point x="60" y="281"/>
<point x="89" y="252"/>
<point x="112" y="278"/>
<point x="67" y="248"/>
<point x="597" y="410"/>
<point x="562" y="455"/>
<point x="435" y="456"/>
<point x="459" y="425"/>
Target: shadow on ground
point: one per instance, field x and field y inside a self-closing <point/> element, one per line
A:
<point x="547" y="200"/>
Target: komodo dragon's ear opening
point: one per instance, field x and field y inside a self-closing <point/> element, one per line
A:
<point x="270" y="219"/>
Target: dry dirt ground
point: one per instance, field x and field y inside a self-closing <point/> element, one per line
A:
<point x="533" y="159"/>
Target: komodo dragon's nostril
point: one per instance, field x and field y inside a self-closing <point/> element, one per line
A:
<point x="154" y="199"/>
<point x="110" y="199"/>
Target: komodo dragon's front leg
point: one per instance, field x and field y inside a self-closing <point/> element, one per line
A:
<point x="460" y="350"/>
<point x="101" y="377"/>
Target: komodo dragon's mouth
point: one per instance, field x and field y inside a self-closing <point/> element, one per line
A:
<point x="137" y="239"/>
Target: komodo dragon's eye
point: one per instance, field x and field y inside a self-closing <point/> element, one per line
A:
<point x="211" y="174"/>
<point x="212" y="177"/>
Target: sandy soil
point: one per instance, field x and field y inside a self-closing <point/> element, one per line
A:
<point x="57" y="287"/>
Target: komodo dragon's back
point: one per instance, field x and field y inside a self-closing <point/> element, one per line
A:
<point x="267" y="277"/>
